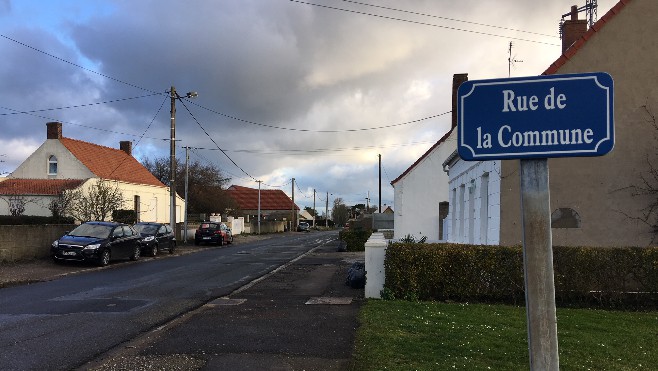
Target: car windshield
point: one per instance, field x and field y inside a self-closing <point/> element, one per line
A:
<point x="147" y="228"/>
<point x="92" y="230"/>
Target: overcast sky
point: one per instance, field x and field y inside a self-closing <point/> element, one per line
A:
<point x="312" y="90"/>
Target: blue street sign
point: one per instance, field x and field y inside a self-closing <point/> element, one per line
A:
<point x="536" y="117"/>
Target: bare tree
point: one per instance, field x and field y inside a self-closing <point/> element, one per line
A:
<point x="648" y="185"/>
<point x="97" y="203"/>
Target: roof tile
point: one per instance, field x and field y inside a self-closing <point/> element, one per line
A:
<point x="110" y="163"/>
<point x="34" y="187"/>
<point x="270" y="199"/>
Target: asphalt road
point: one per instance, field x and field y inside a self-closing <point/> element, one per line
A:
<point x="64" y="323"/>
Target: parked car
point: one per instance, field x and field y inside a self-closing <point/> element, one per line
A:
<point x="97" y="242"/>
<point x="303" y="227"/>
<point x="156" y="237"/>
<point x="213" y="232"/>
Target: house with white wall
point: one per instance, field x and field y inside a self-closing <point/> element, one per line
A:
<point x="421" y="192"/>
<point x="62" y="163"/>
<point x="595" y="201"/>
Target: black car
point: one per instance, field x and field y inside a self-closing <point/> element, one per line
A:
<point x="97" y="242"/>
<point x="156" y="237"/>
<point x="213" y="232"/>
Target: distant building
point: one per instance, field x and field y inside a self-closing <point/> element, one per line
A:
<point x="62" y="163"/>
<point x="274" y="203"/>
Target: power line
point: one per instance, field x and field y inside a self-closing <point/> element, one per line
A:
<point x="448" y="19"/>
<point x="213" y="140"/>
<point x="318" y="131"/>
<point x="422" y="23"/>
<point x="76" y="65"/>
<point x="16" y="112"/>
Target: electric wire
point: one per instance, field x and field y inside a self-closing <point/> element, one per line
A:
<point x="76" y="65"/>
<point x="423" y="23"/>
<point x="448" y="19"/>
<point x="213" y="140"/>
<point x="318" y="131"/>
<point x="16" y="112"/>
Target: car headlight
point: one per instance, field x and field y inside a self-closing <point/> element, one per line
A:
<point x="149" y="238"/>
<point x="92" y="247"/>
<point x="56" y="243"/>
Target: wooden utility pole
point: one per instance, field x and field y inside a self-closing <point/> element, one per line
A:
<point x="293" y="225"/>
<point x="172" y="161"/>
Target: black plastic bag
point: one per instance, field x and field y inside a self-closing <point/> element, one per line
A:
<point x="356" y="276"/>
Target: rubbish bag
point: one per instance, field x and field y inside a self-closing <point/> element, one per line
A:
<point x="356" y="276"/>
<point x="342" y="246"/>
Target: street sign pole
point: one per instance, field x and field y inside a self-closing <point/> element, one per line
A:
<point x="538" y="265"/>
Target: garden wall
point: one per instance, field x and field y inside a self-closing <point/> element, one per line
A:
<point x="24" y="242"/>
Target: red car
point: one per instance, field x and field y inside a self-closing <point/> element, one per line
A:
<point x="213" y="232"/>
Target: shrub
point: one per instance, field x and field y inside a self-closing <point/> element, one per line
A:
<point x="124" y="216"/>
<point x="355" y="239"/>
<point x="606" y="277"/>
<point x="33" y="220"/>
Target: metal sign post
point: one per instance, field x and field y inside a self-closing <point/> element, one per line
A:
<point x="533" y="119"/>
<point x="538" y="265"/>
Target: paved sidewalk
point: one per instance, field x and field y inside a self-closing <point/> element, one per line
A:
<point x="300" y="317"/>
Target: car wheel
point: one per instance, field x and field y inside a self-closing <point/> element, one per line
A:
<point x="196" y="242"/>
<point x="154" y="250"/>
<point x="136" y="253"/>
<point x="221" y="241"/>
<point x="104" y="260"/>
<point x="172" y="247"/>
<point x="230" y="239"/>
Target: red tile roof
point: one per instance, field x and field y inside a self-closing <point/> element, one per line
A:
<point x="443" y="139"/>
<point x="110" y="163"/>
<point x="270" y="199"/>
<point x="573" y="49"/>
<point x="34" y="187"/>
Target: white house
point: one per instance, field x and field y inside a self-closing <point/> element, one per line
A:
<point x="421" y="192"/>
<point x="62" y="163"/>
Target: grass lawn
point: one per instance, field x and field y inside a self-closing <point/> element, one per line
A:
<point x="402" y="335"/>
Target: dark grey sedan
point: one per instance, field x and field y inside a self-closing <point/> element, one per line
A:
<point x="97" y="242"/>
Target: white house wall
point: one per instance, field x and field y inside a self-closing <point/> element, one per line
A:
<point x="36" y="165"/>
<point x="418" y="194"/>
<point x="474" y="216"/>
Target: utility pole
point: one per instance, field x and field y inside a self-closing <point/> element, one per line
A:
<point x="172" y="155"/>
<point x="314" y="212"/>
<point x="293" y="225"/>
<point x="259" y="181"/>
<point x="368" y="203"/>
<point x="187" y="172"/>
<point x="326" y="212"/>
<point x="380" y="183"/>
<point x="172" y="161"/>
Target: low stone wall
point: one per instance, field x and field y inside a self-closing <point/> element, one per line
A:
<point x="24" y="242"/>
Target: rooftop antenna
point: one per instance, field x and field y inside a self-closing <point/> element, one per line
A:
<point x="511" y="60"/>
<point x="590" y="14"/>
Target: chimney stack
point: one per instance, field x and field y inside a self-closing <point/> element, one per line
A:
<point x="54" y="130"/>
<point x="572" y="29"/>
<point x="457" y="80"/>
<point x="126" y="146"/>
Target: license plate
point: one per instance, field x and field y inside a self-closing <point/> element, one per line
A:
<point x="206" y="238"/>
<point x="68" y="253"/>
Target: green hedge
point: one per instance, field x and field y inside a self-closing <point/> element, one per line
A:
<point x="33" y="220"/>
<point x="355" y="239"/>
<point x="606" y="277"/>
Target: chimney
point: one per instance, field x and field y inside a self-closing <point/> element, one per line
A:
<point x="54" y="130"/>
<point x="126" y="146"/>
<point x="457" y="80"/>
<point x="572" y="29"/>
